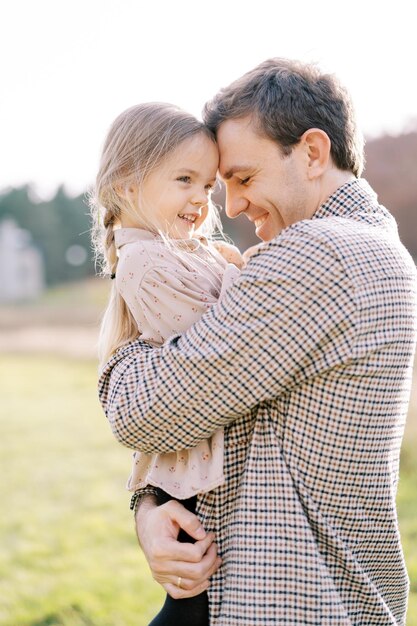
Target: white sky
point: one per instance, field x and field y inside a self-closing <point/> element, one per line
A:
<point x="68" y="67"/>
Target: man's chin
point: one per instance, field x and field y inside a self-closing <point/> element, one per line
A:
<point x="266" y="232"/>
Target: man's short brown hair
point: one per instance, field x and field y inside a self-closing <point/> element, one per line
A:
<point x="285" y="98"/>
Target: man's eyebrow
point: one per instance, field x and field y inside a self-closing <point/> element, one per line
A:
<point x="236" y="168"/>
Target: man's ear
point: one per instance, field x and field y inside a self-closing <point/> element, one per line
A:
<point x="317" y="148"/>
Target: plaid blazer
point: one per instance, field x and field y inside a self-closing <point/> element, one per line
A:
<point x="307" y="364"/>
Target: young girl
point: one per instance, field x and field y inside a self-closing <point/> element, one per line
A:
<point x="153" y="225"/>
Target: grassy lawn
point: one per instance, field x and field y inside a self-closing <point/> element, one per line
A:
<point x="68" y="555"/>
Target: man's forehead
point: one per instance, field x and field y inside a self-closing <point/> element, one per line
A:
<point x="237" y="143"/>
<point x="238" y="146"/>
<point x="226" y="172"/>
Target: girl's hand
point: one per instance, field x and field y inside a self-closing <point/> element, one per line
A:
<point x="230" y="253"/>
<point x="250" y="252"/>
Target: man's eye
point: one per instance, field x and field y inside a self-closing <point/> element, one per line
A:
<point x="243" y="181"/>
<point x="184" y="179"/>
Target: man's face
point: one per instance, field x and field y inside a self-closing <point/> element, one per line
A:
<point x="270" y="189"/>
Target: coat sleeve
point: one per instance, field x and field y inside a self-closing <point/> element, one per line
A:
<point x="289" y="316"/>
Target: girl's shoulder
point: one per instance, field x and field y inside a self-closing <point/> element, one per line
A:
<point x="139" y="253"/>
<point x="138" y="242"/>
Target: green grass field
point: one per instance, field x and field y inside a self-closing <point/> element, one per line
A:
<point x="68" y="554"/>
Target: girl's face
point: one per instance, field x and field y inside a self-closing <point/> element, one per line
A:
<point x="177" y="191"/>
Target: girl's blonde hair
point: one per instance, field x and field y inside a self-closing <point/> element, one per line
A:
<point x="138" y="141"/>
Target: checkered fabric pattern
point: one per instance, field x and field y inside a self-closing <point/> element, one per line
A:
<point x="307" y="364"/>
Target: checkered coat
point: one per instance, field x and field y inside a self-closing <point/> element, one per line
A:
<point x="307" y="364"/>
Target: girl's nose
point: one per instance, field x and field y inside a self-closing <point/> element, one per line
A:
<point x="199" y="199"/>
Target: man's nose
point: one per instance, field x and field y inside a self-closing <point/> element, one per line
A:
<point x="235" y="204"/>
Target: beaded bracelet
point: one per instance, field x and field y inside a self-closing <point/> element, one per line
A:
<point x="139" y="494"/>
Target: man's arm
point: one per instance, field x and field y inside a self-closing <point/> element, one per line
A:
<point x="286" y="318"/>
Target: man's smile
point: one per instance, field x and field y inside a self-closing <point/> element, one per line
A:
<point x="260" y="220"/>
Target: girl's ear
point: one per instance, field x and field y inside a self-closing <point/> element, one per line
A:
<point x="317" y="149"/>
<point x="127" y="192"/>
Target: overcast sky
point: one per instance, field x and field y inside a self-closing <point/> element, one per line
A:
<point x="68" y="67"/>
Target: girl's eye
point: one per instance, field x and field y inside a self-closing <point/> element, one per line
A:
<point x="208" y="187"/>
<point x="184" y="179"/>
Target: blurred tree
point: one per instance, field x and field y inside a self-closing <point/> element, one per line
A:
<point x="56" y="226"/>
<point x="391" y="170"/>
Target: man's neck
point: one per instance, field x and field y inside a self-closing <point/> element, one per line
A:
<point x="330" y="182"/>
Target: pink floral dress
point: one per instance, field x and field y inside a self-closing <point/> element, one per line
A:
<point x="166" y="293"/>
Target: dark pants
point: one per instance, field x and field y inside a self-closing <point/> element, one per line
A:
<point x="188" y="611"/>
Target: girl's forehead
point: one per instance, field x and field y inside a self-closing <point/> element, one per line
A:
<point x="197" y="144"/>
<point x="197" y="152"/>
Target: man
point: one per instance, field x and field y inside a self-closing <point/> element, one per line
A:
<point x="306" y="363"/>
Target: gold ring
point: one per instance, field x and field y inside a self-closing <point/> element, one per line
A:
<point x="179" y="582"/>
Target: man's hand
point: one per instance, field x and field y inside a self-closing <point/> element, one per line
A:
<point x="157" y="529"/>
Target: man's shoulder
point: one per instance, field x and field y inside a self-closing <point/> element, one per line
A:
<point x="320" y="237"/>
<point x="342" y="233"/>
<point x="300" y="253"/>
<point x="364" y="248"/>
<point x="327" y="230"/>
